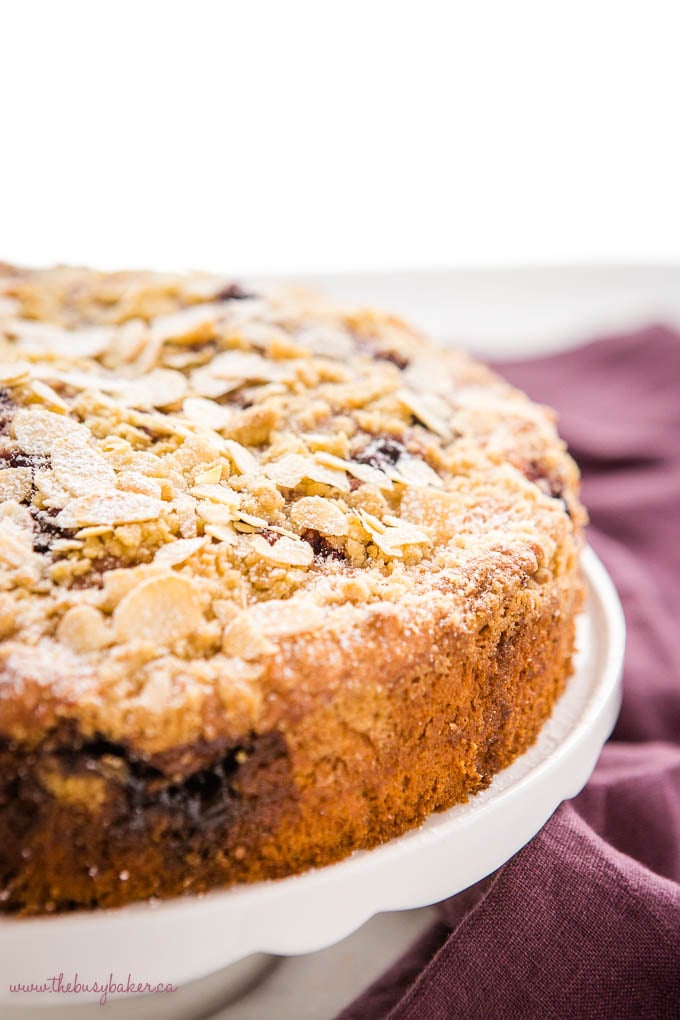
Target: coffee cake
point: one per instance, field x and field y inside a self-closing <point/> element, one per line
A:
<point x="277" y="581"/>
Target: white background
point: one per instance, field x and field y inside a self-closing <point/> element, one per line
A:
<point x="297" y="135"/>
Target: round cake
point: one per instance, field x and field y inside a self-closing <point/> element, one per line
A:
<point x="277" y="581"/>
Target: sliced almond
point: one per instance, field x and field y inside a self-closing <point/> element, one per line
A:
<point x="15" y="541"/>
<point x="225" y="610"/>
<point x="442" y="513"/>
<point x="428" y="408"/>
<point x="15" y="483"/>
<point x="207" y="413"/>
<point x="409" y="532"/>
<point x="174" y="553"/>
<point x="205" y="384"/>
<point x="113" y="508"/>
<point x="81" y="468"/>
<point x="46" y="395"/>
<point x="371" y="475"/>
<point x="255" y="522"/>
<point x="135" y="481"/>
<point x="31" y="331"/>
<point x="238" y="688"/>
<point x="216" y="513"/>
<point x="95" y="531"/>
<point x="161" y="424"/>
<point x="14" y="372"/>
<point x="327" y="341"/>
<point x="118" y="582"/>
<point x="425" y="374"/>
<point x="36" y="430"/>
<point x="63" y="545"/>
<point x="392" y="534"/>
<point x="73" y="343"/>
<point x="162" y="609"/>
<point x="282" y="531"/>
<point x="244" y="638"/>
<point x="10" y="308"/>
<point x="246" y="366"/>
<point x="51" y="492"/>
<point x="210" y="477"/>
<point x="241" y="458"/>
<point x="222" y="533"/>
<point x="263" y="335"/>
<point x="87" y="343"/>
<point x="149" y="354"/>
<point x="364" y="472"/>
<point x="392" y="542"/>
<point x="290" y="470"/>
<point x="319" y="514"/>
<point x="216" y="494"/>
<point x="193" y="325"/>
<point x="158" y="388"/>
<point x="286" y="551"/>
<point x="98" y="380"/>
<point x="414" y="471"/>
<point x="285" y="617"/>
<point x="129" y="340"/>
<point x="370" y="522"/>
<point x="83" y="629"/>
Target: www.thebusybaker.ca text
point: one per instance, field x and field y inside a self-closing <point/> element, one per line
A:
<point x="76" y="986"/>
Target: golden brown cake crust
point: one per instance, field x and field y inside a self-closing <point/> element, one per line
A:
<point x="277" y="580"/>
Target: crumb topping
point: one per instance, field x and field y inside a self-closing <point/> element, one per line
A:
<point x="194" y="473"/>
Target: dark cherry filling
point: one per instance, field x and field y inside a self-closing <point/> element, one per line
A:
<point x="212" y="799"/>
<point x="321" y="546"/>
<point x="45" y="530"/>
<point x="205" y="800"/>
<point x="234" y="292"/>
<point x="549" y="485"/>
<point x="236" y="398"/>
<point x="17" y="458"/>
<point x="400" y="360"/>
<point x="381" y="452"/>
<point x="7" y="409"/>
<point x="368" y="346"/>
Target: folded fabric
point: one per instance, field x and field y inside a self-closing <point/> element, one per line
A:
<point x="585" y="920"/>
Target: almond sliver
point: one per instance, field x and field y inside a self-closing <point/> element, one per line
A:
<point x="320" y="514"/>
<point x="37" y="430"/>
<point x="285" y="551"/>
<point x="80" y="468"/>
<point x="162" y="609"/>
<point x="174" y="553"/>
<point x="284" y="617"/>
<point x="114" y="508"/>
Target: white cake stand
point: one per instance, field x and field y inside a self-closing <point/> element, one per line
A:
<point x="231" y="935"/>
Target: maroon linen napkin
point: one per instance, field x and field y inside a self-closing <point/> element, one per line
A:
<point x="585" y="920"/>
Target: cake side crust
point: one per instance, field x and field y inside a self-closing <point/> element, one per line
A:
<point x="349" y="774"/>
